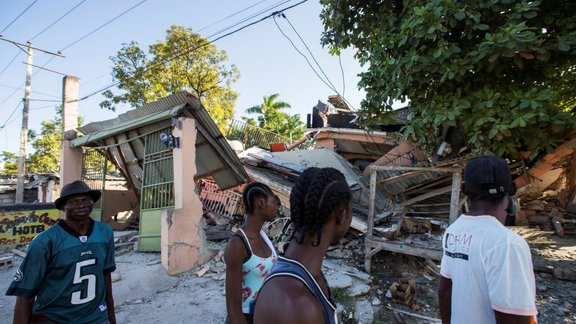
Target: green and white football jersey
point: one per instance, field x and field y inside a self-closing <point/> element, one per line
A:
<point x="66" y="273"/>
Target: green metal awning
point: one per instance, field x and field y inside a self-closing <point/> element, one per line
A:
<point x="123" y="138"/>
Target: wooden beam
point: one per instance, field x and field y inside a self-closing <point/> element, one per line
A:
<point x="404" y="168"/>
<point x="427" y="185"/>
<point x="371" y="204"/>
<point x="427" y="195"/>
<point x="399" y="177"/>
<point x="432" y="205"/>
<point x="127" y="174"/>
<point x="399" y="247"/>
<point x="455" y="198"/>
<point x="134" y="152"/>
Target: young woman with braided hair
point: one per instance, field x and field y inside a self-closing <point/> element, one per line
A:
<point x="296" y="290"/>
<point x="249" y="254"/>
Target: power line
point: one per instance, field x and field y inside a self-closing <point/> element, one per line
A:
<point x="41" y="32"/>
<point x="7" y="65"/>
<point x="12" y="113"/>
<point x="197" y="47"/>
<point x="308" y="49"/>
<point x="304" y="56"/>
<point x="314" y="58"/>
<point x="73" y="43"/>
<point x="103" y="25"/>
<point x="35" y="92"/>
<point x="17" y="17"/>
<point x="249" y="17"/>
<point x="229" y="16"/>
<point x="57" y="20"/>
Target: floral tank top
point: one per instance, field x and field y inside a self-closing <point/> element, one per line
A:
<point x="254" y="271"/>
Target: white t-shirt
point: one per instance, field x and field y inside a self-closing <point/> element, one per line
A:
<point x="491" y="269"/>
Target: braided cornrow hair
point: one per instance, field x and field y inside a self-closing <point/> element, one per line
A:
<point x="252" y="191"/>
<point x="317" y="192"/>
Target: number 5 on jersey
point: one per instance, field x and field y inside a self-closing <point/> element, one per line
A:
<point x="90" y="285"/>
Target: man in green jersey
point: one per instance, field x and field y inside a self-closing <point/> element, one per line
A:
<point x="65" y="276"/>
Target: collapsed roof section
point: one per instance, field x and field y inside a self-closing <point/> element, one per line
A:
<point x="124" y="136"/>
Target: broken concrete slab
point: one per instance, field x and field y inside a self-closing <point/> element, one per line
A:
<point x="139" y="282"/>
<point x="363" y="311"/>
<point x="338" y="280"/>
<point x="359" y="289"/>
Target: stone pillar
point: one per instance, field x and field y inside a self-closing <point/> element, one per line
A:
<point x="182" y="234"/>
<point x="70" y="158"/>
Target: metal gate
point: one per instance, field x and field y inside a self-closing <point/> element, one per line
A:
<point x="157" y="191"/>
<point x="94" y="164"/>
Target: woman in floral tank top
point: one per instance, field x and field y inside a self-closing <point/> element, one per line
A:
<point x="249" y="254"/>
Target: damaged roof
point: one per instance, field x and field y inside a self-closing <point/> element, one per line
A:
<point x="124" y="135"/>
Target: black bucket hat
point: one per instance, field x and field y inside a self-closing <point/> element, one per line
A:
<point x="76" y="188"/>
<point x="488" y="176"/>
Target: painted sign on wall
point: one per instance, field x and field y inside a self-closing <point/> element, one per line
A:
<point x="18" y="226"/>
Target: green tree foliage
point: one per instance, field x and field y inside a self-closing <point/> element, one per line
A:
<point x="47" y="145"/>
<point x="183" y="62"/>
<point x="272" y="118"/>
<point x="501" y="70"/>
<point x="10" y="162"/>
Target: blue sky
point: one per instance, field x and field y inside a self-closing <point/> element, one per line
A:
<point x="266" y="60"/>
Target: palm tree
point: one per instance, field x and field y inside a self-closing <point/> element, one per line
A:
<point x="269" y="111"/>
<point x="272" y="118"/>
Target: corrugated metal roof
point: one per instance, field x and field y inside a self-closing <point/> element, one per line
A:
<point x="123" y="137"/>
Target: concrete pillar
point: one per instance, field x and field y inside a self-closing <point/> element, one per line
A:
<point x="70" y="158"/>
<point x="50" y="191"/>
<point x="182" y="234"/>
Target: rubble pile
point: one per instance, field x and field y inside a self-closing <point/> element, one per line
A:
<point x="543" y="212"/>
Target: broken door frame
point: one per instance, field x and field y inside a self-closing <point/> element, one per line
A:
<point x="373" y="244"/>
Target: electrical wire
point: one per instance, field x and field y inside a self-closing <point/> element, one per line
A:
<point x="314" y="58"/>
<point x="12" y="113"/>
<point x="41" y="32"/>
<point x="230" y="16"/>
<point x="103" y="25"/>
<point x="58" y="20"/>
<point x="304" y="56"/>
<point x="35" y="92"/>
<point x="12" y="60"/>
<point x="249" y="17"/>
<point x="308" y="49"/>
<point x="116" y="83"/>
<point x="17" y="17"/>
<point x="195" y="48"/>
<point x="73" y="43"/>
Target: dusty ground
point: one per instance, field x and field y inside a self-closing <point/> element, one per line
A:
<point x="144" y="293"/>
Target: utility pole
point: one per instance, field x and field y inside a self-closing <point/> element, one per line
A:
<point x="24" y="132"/>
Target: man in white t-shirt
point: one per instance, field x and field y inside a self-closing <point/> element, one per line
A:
<point x="487" y="274"/>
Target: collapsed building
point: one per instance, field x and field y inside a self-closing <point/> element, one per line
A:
<point x="181" y="172"/>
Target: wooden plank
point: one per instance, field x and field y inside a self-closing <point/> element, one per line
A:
<point x="399" y="247"/>
<point x="399" y="177"/>
<point x="432" y="205"/>
<point x="431" y="319"/>
<point x="371" y="204"/>
<point x="455" y="198"/>
<point x="427" y="195"/>
<point x="427" y="185"/>
<point x="404" y="168"/>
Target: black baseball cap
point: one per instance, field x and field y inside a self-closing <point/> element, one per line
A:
<point x="488" y="176"/>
